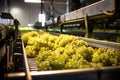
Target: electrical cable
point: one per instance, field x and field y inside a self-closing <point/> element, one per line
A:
<point x="57" y="11"/>
<point x="45" y="9"/>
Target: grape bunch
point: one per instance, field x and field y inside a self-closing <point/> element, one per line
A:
<point x="30" y="51"/>
<point x="28" y="35"/>
<point x="66" y="52"/>
<point x="106" y="57"/>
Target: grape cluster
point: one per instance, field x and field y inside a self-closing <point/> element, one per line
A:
<point x="66" y="52"/>
<point x="28" y="35"/>
<point x="106" y="57"/>
<point x="30" y="51"/>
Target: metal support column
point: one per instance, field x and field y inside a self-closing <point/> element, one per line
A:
<point x="52" y="12"/>
<point x="42" y="3"/>
<point x="6" y="5"/>
<point x="86" y="26"/>
<point x="46" y="28"/>
<point x="67" y="6"/>
<point x="89" y="27"/>
<point x="61" y="28"/>
<point x="104" y="26"/>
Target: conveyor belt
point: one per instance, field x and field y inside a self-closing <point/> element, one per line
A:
<point x="98" y="43"/>
<point x="101" y="43"/>
<point x="32" y="64"/>
<point x="32" y="73"/>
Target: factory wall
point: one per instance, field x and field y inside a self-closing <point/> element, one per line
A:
<point x="27" y="13"/>
<point x="24" y="12"/>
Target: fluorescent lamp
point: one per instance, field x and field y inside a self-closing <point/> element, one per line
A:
<point x="32" y="1"/>
<point x="42" y="19"/>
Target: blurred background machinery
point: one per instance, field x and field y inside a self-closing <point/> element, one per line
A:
<point x="90" y="14"/>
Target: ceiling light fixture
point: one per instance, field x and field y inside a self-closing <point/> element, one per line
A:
<point x="32" y="1"/>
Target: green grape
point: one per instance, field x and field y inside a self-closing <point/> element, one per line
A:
<point x="57" y="61"/>
<point x="63" y="42"/>
<point x="30" y="51"/>
<point x="85" y="52"/>
<point x="33" y="33"/>
<point x="65" y="57"/>
<point x="76" y="56"/>
<point x="72" y="64"/>
<point x="53" y="38"/>
<point x="96" y="65"/>
<point x="43" y="55"/>
<point x="96" y="56"/>
<point x="51" y="45"/>
<point x="76" y="62"/>
<point x="51" y="41"/>
<point x="79" y="43"/>
<point x="40" y="45"/>
<point x="32" y="40"/>
<point x="45" y="65"/>
<point x="57" y="64"/>
<point x="83" y="63"/>
<point x="45" y="37"/>
<point x="69" y="51"/>
<point x="114" y="57"/>
<point x="107" y="57"/>
<point x="114" y="61"/>
<point x="26" y="36"/>
<point x="59" y="50"/>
